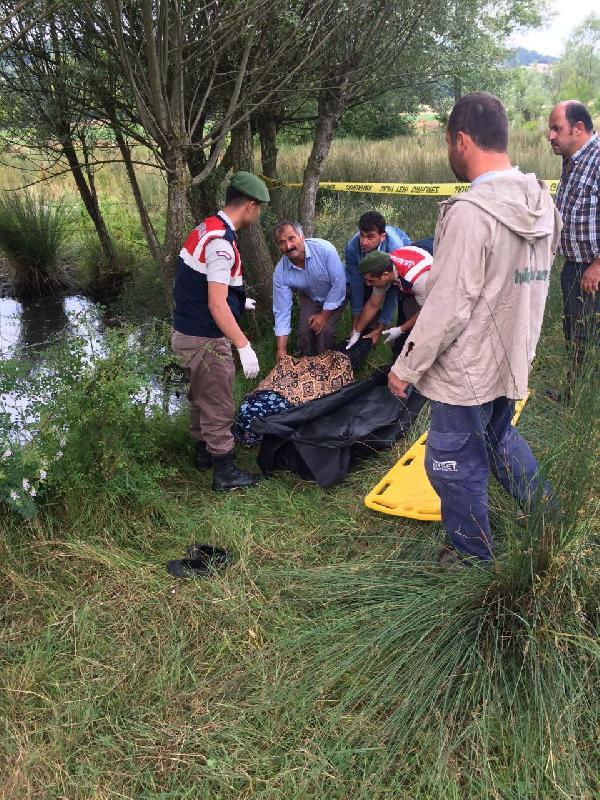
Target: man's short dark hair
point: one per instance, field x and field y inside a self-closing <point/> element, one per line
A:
<point x="233" y="197"/>
<point x="576" y="112"/>
<point x="483" y="117"/>
<point x="372" y="221"/>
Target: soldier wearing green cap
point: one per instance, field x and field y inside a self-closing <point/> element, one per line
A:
<point x="209" y="300"/>
<point x="404" y="272"/>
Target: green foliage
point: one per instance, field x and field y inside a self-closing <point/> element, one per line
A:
<point x="528" y="96"/>
<point x="383" y="118"/>
<point x="33" y="231"/>
<point x="92" y="421"/>
<point x="103" y="405"/>
<point x="577" y="73"/>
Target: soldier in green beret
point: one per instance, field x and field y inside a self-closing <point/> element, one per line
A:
<point x="209" y="300"/>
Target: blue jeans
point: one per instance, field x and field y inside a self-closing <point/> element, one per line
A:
<point x="464" y="443"/>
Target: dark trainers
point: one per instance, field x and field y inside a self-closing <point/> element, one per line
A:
<point x="202" y="459"/>
<point x="227" y="476"/>
<point x="202" y="561"/>
<point x="450" y="558"/>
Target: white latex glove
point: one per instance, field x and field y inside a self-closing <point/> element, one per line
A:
<point x="391" y="334"/>
<point x="249" y="361"/>
<point x="354" y="337"/>
<point x="250" y="304"/>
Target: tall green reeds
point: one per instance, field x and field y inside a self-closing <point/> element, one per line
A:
<point x="33" y="231"/>
<point x="481" y="684"/>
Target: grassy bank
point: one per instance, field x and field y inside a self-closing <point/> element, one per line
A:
<point x="332" y="660"/>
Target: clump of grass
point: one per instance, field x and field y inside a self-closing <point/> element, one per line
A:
<point x="33" y="231"/>
<point x="486" y="678"/>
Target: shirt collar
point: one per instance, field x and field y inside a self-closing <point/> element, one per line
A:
<point x="583" y="149"/>
<point x="226" y="219"/>
<point x="491" y="174"/>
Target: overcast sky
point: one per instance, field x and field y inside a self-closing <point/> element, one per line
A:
<point x="550" y="39"/>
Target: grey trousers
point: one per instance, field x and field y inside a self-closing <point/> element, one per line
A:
<point x="309" y="343"/>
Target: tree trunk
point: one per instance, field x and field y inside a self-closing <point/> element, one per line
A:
<point x="177" y="184"/>
<point x="204" y="197"/>
<point x="330" y="108"/>
<point x="254" y="250"/>
<point x="90" y="201"/>
<point x="457" y="85"/>
<point x="146" y="222"/>
<point x="267" y="132"/>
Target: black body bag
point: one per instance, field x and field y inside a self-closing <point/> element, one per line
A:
<point x="322" y="439"/>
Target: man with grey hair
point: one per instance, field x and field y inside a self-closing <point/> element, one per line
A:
<point x="311" y="267"/>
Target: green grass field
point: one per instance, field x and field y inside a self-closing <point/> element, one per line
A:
<point x="333" y="659"/>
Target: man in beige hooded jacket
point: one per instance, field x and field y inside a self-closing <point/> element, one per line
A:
<point x="472" y="347"/>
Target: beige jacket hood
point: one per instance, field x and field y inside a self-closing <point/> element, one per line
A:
<point x="478" y="330"/>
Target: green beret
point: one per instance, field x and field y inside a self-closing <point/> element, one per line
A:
<point x="374" y="262"/>
<point x="250" y="185"/>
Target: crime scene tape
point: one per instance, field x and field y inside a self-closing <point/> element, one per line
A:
<point x="416" y="189"/>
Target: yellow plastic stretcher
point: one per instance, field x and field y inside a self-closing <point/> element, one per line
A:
<point x="405" y="491"/>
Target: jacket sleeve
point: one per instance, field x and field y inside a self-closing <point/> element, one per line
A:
<point x="455" y="283"/>
<point x="355" y="279"/>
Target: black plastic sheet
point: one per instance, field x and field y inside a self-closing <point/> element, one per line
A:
<point x="323" y="439"/>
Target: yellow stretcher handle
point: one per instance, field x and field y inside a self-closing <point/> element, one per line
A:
<point x="405" y="491"/>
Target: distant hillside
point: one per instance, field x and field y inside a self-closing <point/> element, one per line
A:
<point x="522" y="57"/>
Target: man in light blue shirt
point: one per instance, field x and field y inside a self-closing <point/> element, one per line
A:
<point x="373" y="234"/>
<point x="311" y="267"/>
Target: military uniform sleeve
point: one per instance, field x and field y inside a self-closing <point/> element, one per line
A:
<point x="420" y="288"/>
<point x="220" y="258"/>
<point x="455" y="283"/>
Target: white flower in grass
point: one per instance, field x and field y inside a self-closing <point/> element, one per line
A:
<point x="7" y="454"/>
<point x="59" y="454"/>
<point x="26" y="484"/>
<point x="43" y="474"/>
<point x="14" y="495"/>
<point x="32" y="491"/>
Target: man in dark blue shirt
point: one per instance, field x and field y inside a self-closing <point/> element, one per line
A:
<point x="373" y="234"/>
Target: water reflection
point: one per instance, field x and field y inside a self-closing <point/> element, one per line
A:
<point x="28" y="329"/>
<point x="10" y="326"/>
<point x="42" y="322"/>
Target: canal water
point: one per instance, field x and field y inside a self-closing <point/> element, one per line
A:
<point x="29" y="328"/>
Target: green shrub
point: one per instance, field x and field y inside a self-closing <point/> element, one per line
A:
<point x="33" y="231"/>
<point x="92" y="423"/>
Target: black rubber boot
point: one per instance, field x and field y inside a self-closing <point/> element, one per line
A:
<point x="226" y="476"/>
<point x="202" y="459"/>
